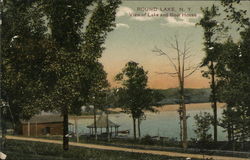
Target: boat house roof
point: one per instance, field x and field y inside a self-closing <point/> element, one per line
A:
<point x="102" y="123"/>
<point x="57" y="118"/>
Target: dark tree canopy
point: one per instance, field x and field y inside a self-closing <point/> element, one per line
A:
<point x="23" y="49"/>
<point x="233" y="85"/>
<point x="229" y="63"/>
<point x="50" y="52"/>
<point x="134" y="96"/>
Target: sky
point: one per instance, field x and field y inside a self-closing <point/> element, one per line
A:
<point x="143" y="25"/>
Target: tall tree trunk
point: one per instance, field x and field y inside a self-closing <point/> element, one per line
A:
<point x="229" y="129"/>
<point x="65" y="129"/>
<point x="134" y="125"/>
<point x="214" y="100"/>
<point x="180" y="70"/>
<point x="18" y="127"/>
<point x="184" y="124"/>
<point x="180" y="123"/>
<point x="95" y="123"/>
<point x="76" y="130"/>
<point x="243" y="133"/>
<point x="139" y="128"/>
<point x="229" y="134"/>
<point x="184" y="116"/>
<point x="108" y="127"/>
<point x="233" y="138"/>
<point x="2" y="128"/>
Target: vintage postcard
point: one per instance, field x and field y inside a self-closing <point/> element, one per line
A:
<point x="125" y="79"/>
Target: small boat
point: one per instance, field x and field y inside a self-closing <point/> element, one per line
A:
<point x="124" y="132"/>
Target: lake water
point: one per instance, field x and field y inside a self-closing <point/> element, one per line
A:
<point x="165" y="123"/>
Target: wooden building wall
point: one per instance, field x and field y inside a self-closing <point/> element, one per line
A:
<point x="40" y="129"/>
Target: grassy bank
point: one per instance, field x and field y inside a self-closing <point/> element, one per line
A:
<point x="23" y="150"/>
<point x="221" y="148"/>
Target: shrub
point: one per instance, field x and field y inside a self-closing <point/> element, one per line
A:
<point x="203" y="123"/>
<point x="147" y="140"/>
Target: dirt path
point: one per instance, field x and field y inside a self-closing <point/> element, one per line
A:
<point x="114" y="148"/>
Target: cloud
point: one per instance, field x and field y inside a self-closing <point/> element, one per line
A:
<point x="123" y="10"/>
<point x="122" y="25"/>
<point x="142" y="18"/>
<point x="147" y="17"/>
<point x="126" y="11"/>
<point x="174" y="22"/>
<point x="182" y="20"/>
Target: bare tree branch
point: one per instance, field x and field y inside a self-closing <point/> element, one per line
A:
<point x="195" y="69"/>
<point x="191" y="67"/>
<point x="187" y="57"/>
<point x="182" y="54"/>
<point x="173" y="46"/>
<point x="157" y="50"/>
<point x="179" y="61"/>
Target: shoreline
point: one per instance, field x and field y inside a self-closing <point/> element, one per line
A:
<point x="164" y="108"/>
<point x="175" y="107"/>
<point x="191" y="106"/>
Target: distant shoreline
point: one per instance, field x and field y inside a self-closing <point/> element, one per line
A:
<point x="175" y="107"/>
<point x="164" y="108"/>
<point x="191" y="106"/>
<point x="81" y="117"/>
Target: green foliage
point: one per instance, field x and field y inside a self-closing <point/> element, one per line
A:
<point x="203" y="123"/>
<point x="101" y="22"/>
<point x="66" y="21"/>
<point x="230" y="65"/>
<point x="50" y="52"/>
<point x="99" y="90"/>
<point x="23" y="48"/>
<point x="212" y="34"/>
<point x="234" y="14"/>
<point x="134" y="97"/>
<point x="229" y="62"/>
<point x="234" y="80"/>
<point x="77" y="45"/>
<point x="147" y="139"/>
<point x="213" y="30"/>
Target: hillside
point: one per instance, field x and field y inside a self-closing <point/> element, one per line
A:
<point x="191" y="95"/>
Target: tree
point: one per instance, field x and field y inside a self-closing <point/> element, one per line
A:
<point x="98" y="95"/>
<point x="233" y="85"/>
<point x="230" y="68"/>
<point x="212" y="50"/>
<point x="52" y="64"/>
<point x="235" y="80"/>
<point x="147" y="100"/>
<point x="75" y="50"/>
<point x="181" y="71"/>
<point x="203" y="122"/>
<point x="23" y="48"/>
<point x="221" y="71"/>
<point x="134" y="97"/>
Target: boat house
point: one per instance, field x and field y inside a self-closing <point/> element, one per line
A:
<point x="43" y="125"/>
